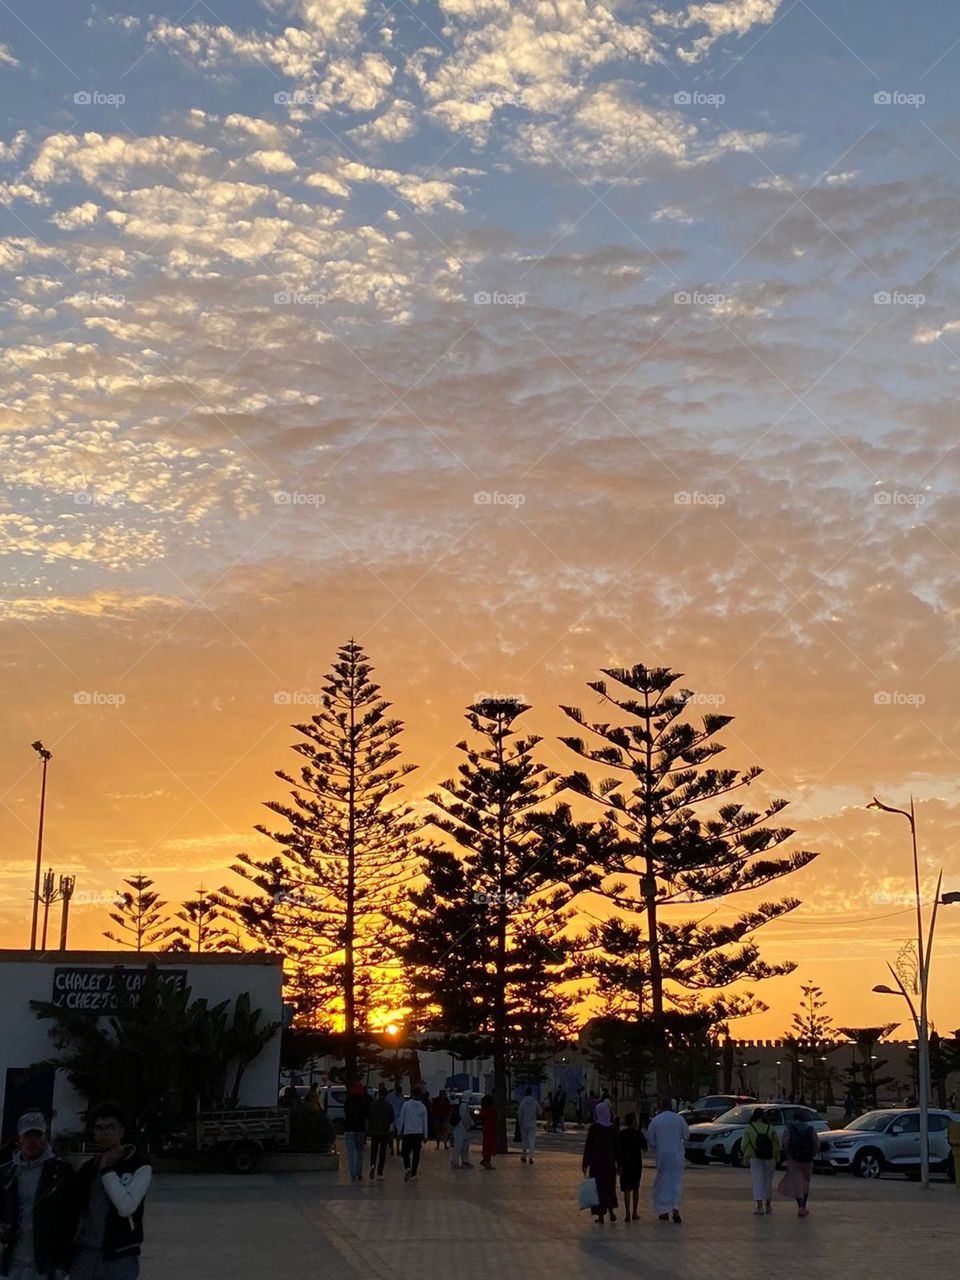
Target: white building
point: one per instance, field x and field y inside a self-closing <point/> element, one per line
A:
<point x="83" y="980"/>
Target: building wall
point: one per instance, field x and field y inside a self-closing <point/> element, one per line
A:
<point x="25" y="1039"/>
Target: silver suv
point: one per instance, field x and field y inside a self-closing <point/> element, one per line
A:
<point x="882" y="1141"/>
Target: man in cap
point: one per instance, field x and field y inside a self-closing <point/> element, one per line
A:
<point x="38" y="1211"/>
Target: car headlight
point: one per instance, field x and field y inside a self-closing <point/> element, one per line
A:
<point x="723" y="1133"/>
<point x="844" y="1142"/>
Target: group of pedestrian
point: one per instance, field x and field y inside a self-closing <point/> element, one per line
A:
<point x="86" y="1224"/>
<point x="612" y="1149"/>
<point x="557" y="1110"/>
<point x="384" y="1122"/>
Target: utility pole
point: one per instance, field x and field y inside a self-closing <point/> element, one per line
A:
<point x="67" y="885"/>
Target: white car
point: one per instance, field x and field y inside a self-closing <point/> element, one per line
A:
<point x="721" y="1139"/>
<point x="888" y="1141"/>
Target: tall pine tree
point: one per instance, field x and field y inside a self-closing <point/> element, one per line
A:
<point x="199" y="926"/>
<point x="486" y="949"/>
<point x="653" y="775"/>
<point x="139" y="915"/>
<point x="345" y="854"/>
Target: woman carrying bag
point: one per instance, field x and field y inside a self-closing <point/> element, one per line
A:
<point x="600" y="1162"/>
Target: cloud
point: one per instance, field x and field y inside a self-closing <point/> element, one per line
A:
<point x="721" y="18"/>
<point x="80" y="215"/>
<point x="6" y="57"/>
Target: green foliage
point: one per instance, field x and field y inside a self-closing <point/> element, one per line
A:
<point x="198" y="926"/>
<point x="139" y="915"/>
<point x="811" y="1040"/>
<point x="344" y="854"/>
<point x="653" y="772"/>
<point x="310" y="1130"/>
<point x="863" y="1077"/>
<point x="161" y="1055"/>
<point x="486" y="949"/>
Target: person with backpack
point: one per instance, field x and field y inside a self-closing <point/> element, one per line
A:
<point x="800" y="1147"/>
<point x="760" y="1149"/>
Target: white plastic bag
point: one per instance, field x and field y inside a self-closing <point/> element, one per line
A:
<point x="588" y="1197"/>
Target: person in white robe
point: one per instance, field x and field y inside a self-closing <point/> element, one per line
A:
<point x="667" y="1135"/>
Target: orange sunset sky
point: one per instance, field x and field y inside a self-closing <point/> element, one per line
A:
<point x="514" y="340"/>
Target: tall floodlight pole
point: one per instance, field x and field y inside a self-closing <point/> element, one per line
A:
<point x="45" y="756"/>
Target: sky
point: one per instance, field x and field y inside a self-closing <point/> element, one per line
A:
<point x="515" y="340"/>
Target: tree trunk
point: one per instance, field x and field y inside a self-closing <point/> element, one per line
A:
<point x="653" y="940"/>
<point x="349" y="974"/>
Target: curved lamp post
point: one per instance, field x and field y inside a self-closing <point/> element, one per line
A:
<point x="924" y="951"/>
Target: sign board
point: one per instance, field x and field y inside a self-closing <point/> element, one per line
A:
<point x="92" y="990"/>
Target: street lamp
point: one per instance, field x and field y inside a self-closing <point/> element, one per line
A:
<point x="923" y="971"/>
<point x="46" y="756"/>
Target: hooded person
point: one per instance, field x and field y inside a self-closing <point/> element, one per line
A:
<point x="667" y="1135"/>
<point x="600" y="1161"/>
<point x="38" y="1207"/>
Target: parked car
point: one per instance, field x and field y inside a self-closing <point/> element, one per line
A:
<point x="721" y="1139"/>
<point x="714" y="1105"/>
<point x="887" y="1141"/>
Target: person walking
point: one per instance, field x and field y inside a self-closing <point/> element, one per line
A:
<point x="355" y="1107"/>
<point x="667" y="1136"/>
<point x="313" y="1100"/>
<point x="760" y="1150"/>
<point x="488" y="1131"/>
<point x="460" y="1135"/>
<point x="800" y="1147"/>
<point x="600" y="1162"/>
<point x="38" y="1213"/>
<point x="849" y="1108"/>
<point x="528" y="1113"/>
<point x="631" y="1144"/>
<point x="379" y="1120"/>
<point x="413" y="1127"/>
<point x="560" y="1106"/>
<point x="111" y="1192"/>
<point x="396" y="1100"/>
<point x="441" y="1118"/>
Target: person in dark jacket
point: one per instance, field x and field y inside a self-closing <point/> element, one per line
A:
<point x="631" y="1144"/>
<point x="111" y="1192"/>
<point x="600" y="1161"/>
<point x="379" y="1121"/>
<point x="37" y="1207"/>
<point x="355" y="1107"/>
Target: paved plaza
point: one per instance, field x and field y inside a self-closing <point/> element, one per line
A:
<point x="522" y="1221"/>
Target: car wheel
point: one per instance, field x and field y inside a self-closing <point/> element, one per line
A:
<point x="697" y="1157"/>
<point x="735" y="1153"/>
<point x="244" y="1157"/>
<point x="868" y="1164"/>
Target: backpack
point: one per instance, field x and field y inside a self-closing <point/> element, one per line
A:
<point x="801" y="1142"/>
<point x="762" y="1144"/>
